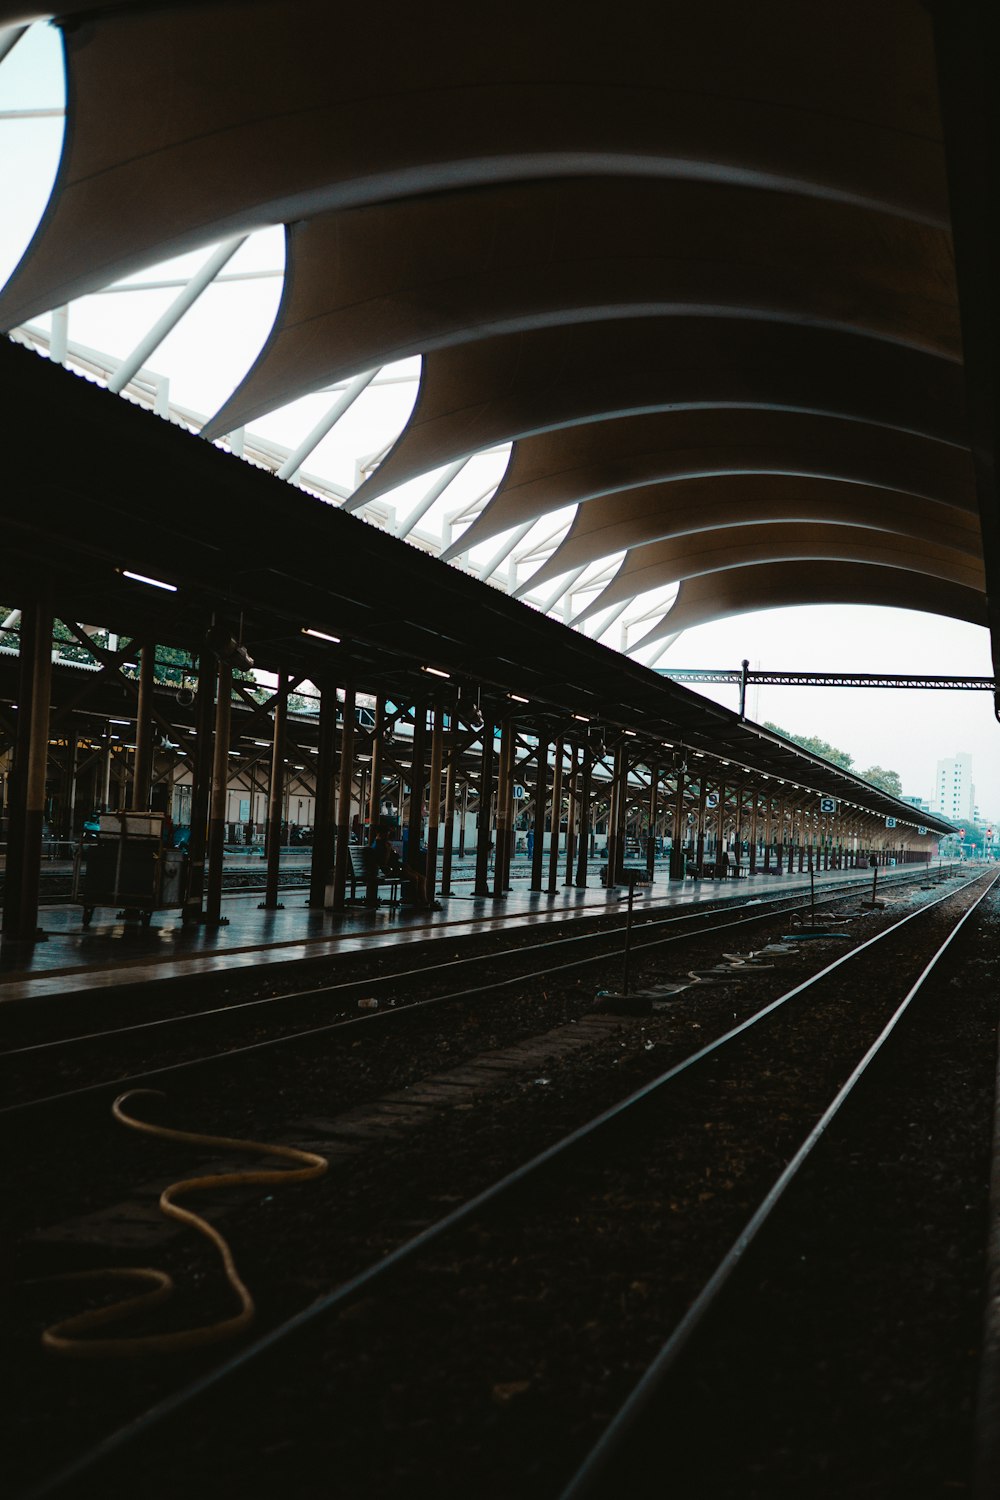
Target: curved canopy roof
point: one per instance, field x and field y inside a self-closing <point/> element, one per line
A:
<point x="696" y="263"/>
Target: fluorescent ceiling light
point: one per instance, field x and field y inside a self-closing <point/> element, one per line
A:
<point x="156" y="583"/>
<point x="321" y="635"/>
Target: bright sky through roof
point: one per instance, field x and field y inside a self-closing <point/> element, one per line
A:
<point x="217" y="341"/>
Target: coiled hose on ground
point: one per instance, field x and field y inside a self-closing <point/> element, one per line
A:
<point x="65" y="1338"/>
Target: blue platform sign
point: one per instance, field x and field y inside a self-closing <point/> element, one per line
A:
<point x="890" y="822"/>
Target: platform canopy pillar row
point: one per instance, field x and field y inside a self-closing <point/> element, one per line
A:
<point x="324" y="814"/>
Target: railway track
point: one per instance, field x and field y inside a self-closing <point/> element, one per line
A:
<point x="595" y="1221"/>
<point x="63" y="1067"/>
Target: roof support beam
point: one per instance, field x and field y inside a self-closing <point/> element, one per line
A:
<point x="293" y="463"/>
<point x="435" y="492"/>
<point x="133" y="363"/>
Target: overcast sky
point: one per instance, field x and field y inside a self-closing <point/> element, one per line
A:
<point x="905" y="731"/>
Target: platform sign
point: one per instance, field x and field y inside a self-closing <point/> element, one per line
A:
<point x="828" y="804"/>
<point x="921" y="830"/>
<point x="518" y="792"/>
<point x="890" y="822"/>
<point x="712" y="800"/>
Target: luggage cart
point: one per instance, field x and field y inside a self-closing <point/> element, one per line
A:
<point x="128" y="867"/>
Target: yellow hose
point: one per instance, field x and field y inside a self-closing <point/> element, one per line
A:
<point x="62" y="1338"/>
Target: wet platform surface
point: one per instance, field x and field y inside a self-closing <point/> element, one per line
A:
<point x="112" y="952"/>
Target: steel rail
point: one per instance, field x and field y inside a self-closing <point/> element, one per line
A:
<point x="594" y="1468"/>
<point x="179" y="1401"/>
<point x="771" y="906"/>
<point x="156" y="1075"/>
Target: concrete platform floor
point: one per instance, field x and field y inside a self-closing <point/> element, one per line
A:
<point x="112" y="952"/>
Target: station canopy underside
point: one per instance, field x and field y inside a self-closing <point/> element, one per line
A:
<point x="224" y="527"/>
<point x="713" y="271"/>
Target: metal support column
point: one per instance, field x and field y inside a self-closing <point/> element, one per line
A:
<point x="142" y="768"/>
<point x="450" y="783"/>
<point x="24" y="853"/>
<point x="344" y="785"/>
<point x="678" y="829"/>
<point x="375" y="784"/>
<point x="201" y="786"/>
<point x="13" y="890"/>
<point x="571" y="810"/>
<point x="434" y="799"/>
<point x="324" y="819"/>
<point x="584" y="849"/>
<point x="220" y="784"/>
<point x="465" y="818"/>
<point x="555" y="817"/>
<point x="415" y="812"/>
<point x="505" y="782"/>
<point x="754" y="808"/>
<point x="538" y="813"/>
<point x="615" y="820"/>
<point x="699" y="853"/>
<point x="483" y="839"/>
<point x="653" y="816"/>
<point x="275" y="796"/>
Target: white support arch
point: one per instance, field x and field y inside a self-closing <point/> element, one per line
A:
<point x="193" y="289"/>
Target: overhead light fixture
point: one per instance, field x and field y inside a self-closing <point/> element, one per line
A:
<point x="435" y="672"/>
<point x="582" y="718"/>
<point x="516" y="698"/>
<point x="119" y="721"/>
<point x="155" y="583"/>
<point x="631" y="733"/>
<point x="321" y="635"/>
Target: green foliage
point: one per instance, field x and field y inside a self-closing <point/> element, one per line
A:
<point x="815" y="746"/>
<point x="886" y="781"/>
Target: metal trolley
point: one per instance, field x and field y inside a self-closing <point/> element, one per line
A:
<point x="129" y="868"/>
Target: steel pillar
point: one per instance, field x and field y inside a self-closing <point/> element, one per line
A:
<point x="201" y="787"/>
<point x="505" y="781"/>
<point x="584" y="848"/>
<point x="415" y="812"/>
<point x="142" y="768"/>
<point x="434" y="799"/>
<point x="483" y="840"/>
<point x="450" y="782"/>
<point x="555" y="818"/>
<point x="220" y="784"/>
<point x="344" y="785"/>
<point x="27" y="813"/>
<point x="678" y="829"/>
<point x="275" y="796"/>
<point x="538" y="813"/>
<point x="324" y="820"/>
<point x="571" y="811"/>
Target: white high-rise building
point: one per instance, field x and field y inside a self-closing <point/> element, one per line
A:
<point x="953" y="795"/>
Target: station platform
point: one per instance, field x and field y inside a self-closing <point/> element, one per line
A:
<point x="113" y="952"/>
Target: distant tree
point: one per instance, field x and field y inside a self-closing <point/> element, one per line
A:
<point x="815" y="746"/>
<point x="886" y="781"/>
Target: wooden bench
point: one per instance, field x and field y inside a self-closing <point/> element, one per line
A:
<point x="362" y="861"/>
